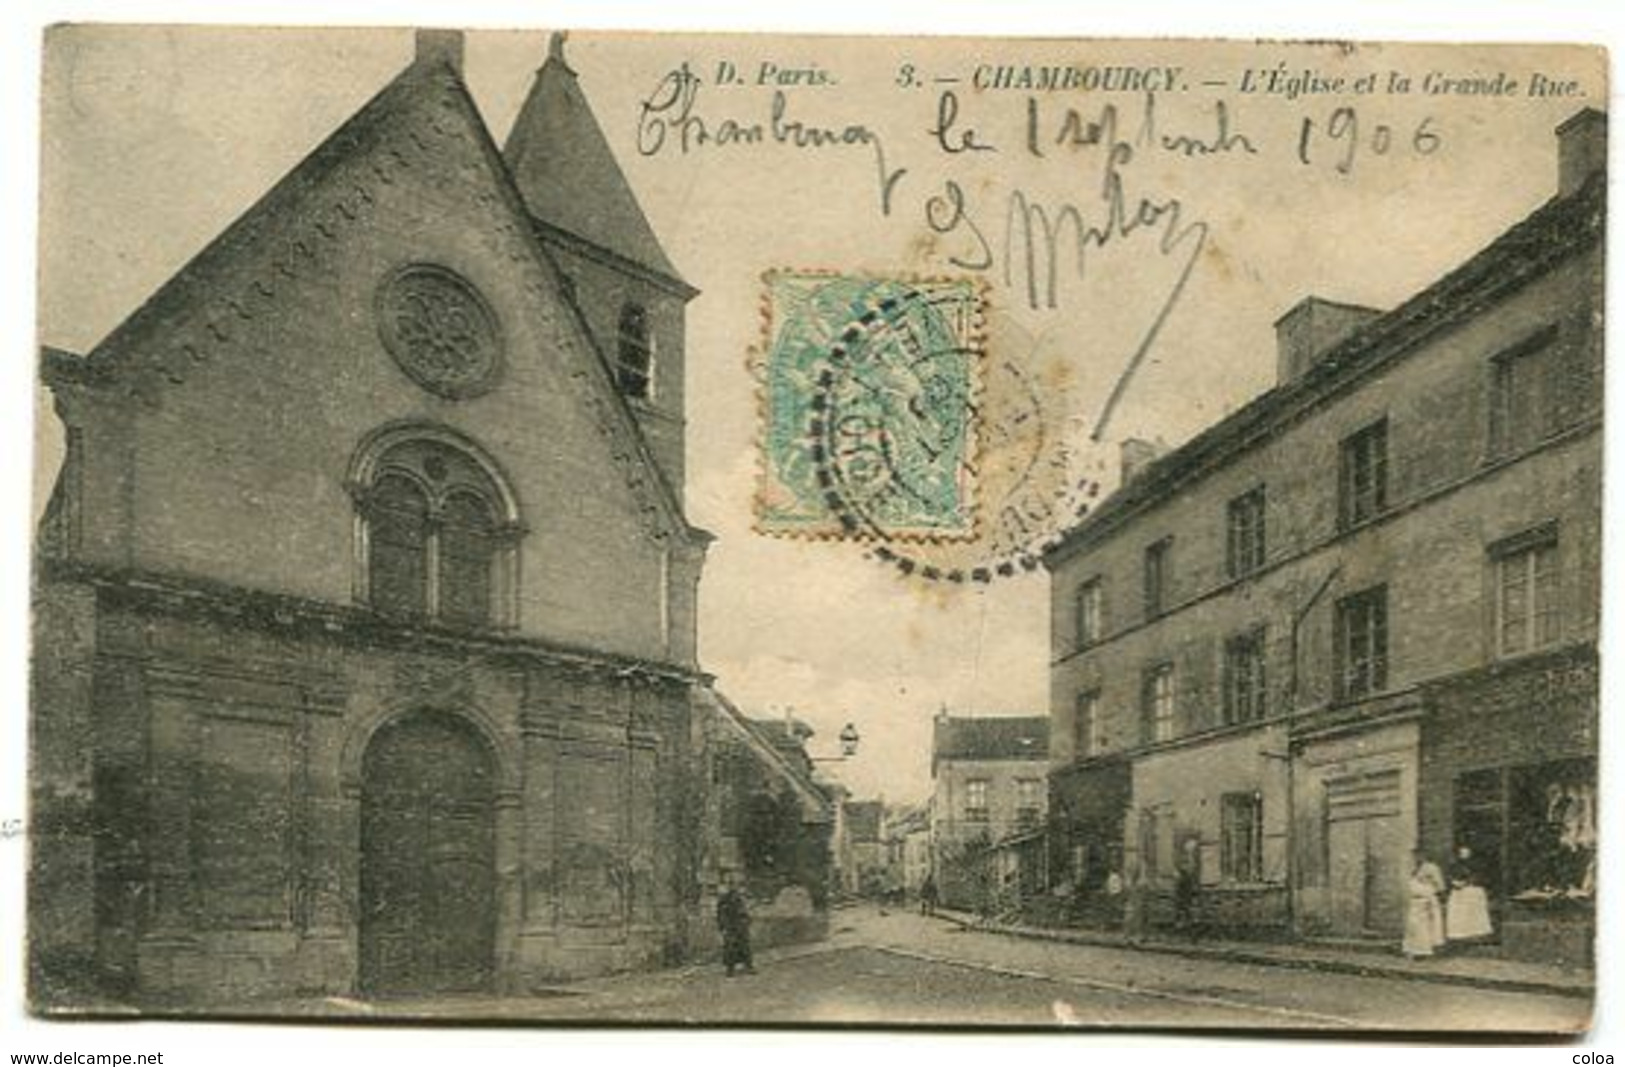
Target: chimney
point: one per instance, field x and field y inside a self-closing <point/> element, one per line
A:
<point x="441" y="46"/>
<point x="1311" y="329"/>
<point x="1136" y="454"/>
<point x="1582" y="149"/>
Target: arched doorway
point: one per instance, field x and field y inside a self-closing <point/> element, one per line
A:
<point x="428" y="903"/>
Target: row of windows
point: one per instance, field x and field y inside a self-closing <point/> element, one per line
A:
<point x="1362" y="495"/>
<point x="1534" y="394"/>
<point x="1525" y="610"/>
<point x="1029" y="799"/>
<point x="1244" y="696"/>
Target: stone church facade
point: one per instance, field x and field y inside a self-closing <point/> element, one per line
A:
<point x="365" y="599"/>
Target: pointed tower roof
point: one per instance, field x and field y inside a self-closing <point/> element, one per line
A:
<point x="564" y="168"/>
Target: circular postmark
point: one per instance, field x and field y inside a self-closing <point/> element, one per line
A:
<point x="891" y="422"/>
<point x="1034" y="477"/>
<point x="439" y="330"/>
<point x="888" y="371"/>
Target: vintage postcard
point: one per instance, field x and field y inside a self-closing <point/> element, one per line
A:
<point x="721" y="529"/>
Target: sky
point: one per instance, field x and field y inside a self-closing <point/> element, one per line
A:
<point x="157" y="138"/>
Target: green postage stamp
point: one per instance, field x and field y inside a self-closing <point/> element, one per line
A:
<point x="869" y="391"/>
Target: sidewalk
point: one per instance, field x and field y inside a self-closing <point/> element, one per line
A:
<point x="1479" y="971"/>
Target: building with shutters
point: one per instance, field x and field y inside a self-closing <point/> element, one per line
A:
<point x="1359" y="615"/>
<point x="987" y="786"/>
<point x="365" y="597"/>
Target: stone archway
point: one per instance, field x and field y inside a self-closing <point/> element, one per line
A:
<point x="428" y="857"/>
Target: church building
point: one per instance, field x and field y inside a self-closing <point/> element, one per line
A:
<point x="364" y="639"/>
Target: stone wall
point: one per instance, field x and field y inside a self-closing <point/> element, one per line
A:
<point x="225" y="839"/>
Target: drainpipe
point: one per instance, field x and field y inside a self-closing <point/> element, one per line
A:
<point x="1292" y="874"/>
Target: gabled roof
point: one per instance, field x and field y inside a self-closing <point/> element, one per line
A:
<point x="994" y="737"/>
<point x="429" y="86"/>
<point x="816" y="801"/>
<point x="406" y="91"/>
<point x="1562" y="227"/>
<point x="582" y="191"/>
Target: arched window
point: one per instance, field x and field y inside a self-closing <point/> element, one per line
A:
<point x="398" y="514"/>
<point x="467" y="552"/>
<point x="634" y="352"/>
<point x="437" y="530"/>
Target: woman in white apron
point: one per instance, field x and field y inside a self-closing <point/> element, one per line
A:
<point x="1424" y="918"/>
<point x="1467" y="913"/>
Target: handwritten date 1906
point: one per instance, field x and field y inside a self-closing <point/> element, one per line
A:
<point x="1344" y="140"/>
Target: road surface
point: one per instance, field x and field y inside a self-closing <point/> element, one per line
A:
<point x="901" y="969"/>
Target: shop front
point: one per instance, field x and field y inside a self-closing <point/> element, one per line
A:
<point x="1354" y="824"/>
<point x="1088" y="802"/>
<point x="1509" y="775"/>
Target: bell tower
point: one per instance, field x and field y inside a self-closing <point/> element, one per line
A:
<point x="616" y="272"/>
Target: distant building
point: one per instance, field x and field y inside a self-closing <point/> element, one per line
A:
<point x="788" y="736"/>
<point x="865" y="871"/>
<point x="1360" y="614"/>
<point x="907" y="836"/>
<point x="988" y="783"/>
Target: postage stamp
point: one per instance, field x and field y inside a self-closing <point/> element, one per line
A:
<point x="869" y="390"/>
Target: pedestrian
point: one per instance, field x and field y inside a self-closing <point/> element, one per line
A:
<point x="928" y="896"/>
<point x="1186" y="884"/>
<point x="1467" y="912"/>
<point x="1136" y="906"/>
<point x="1424" y="919"/>
<point x="733" y="919"/>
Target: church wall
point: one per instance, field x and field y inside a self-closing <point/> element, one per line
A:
<point x="239" y="467"/>
<point x="62" y="779"/>
<point x="230" y="862"/>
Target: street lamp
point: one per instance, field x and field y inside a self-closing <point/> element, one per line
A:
<point x="849" y="746"/>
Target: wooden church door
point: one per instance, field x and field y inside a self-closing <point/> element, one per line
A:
<point x="428" y="903"/>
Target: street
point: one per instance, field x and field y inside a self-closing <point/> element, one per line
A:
<point x="902" y="969"/>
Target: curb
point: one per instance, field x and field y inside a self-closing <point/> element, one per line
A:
<point x="1239" y="954"/>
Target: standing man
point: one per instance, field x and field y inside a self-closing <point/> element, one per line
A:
<point x="928" y="895"/>
<point x="1187" y="881"/>
<point x="733" y="920"/>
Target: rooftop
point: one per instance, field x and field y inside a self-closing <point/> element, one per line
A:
<point x="581" y="191"/>
<point x="1562" y="227"/>
<point x="993" y="737"/>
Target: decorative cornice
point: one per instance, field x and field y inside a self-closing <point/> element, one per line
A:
<point x="284" y="613"/>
